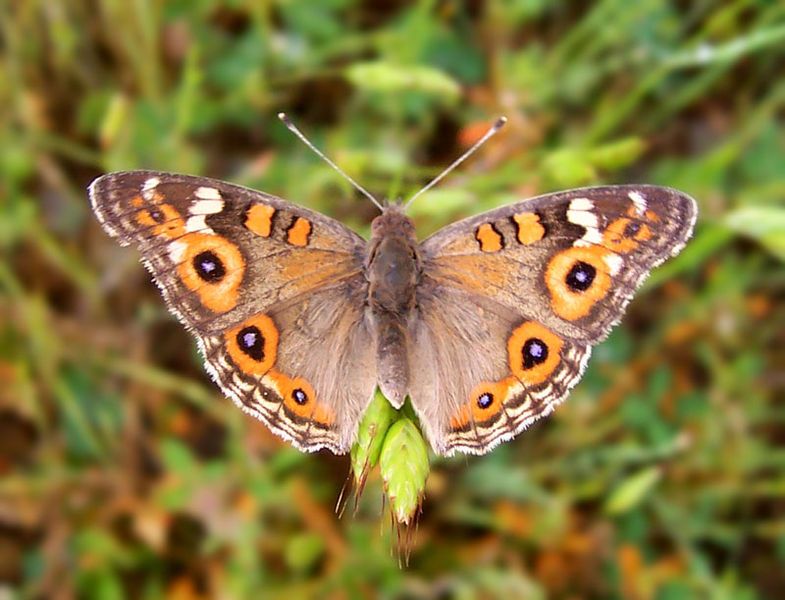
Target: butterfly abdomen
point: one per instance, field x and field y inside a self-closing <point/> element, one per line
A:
<point x="393" y="271"/>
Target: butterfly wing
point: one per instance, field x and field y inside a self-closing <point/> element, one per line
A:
<point x="273" y="293"/>
<point x="512" y="301"/>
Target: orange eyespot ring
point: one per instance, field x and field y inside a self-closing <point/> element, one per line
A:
<point x="533" y="353"/>
<point x="486" y="402"/>
<point x="197" y="272"/>
<point x="300" y="399"/>
<point x="623" y="235"/>
<point x="614" y="236"/>
<point x="163" y="220"/>
<point x="577" y="278"/>
<point x="253" y="345"/>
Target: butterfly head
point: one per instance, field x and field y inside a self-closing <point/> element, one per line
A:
<point x="393" y="221"/>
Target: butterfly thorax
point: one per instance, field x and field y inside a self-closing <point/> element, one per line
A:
<point x="392" y="266"/>
<point x="393" y="271"/>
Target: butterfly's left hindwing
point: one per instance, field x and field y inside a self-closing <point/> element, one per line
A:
<point x="265" y="286"/>
<point x="511" y="302"/>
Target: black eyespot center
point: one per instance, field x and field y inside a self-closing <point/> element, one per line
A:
<point x="209" y="267"/>
<point x="156" y="215"/>
<point x="300" y="397"/>
<point x="632" y="228"/>
<point x="535" y="352"/>
<point x="485" y="400"/>
<point x="251" y="342"/>
<point x="581" y="276"/>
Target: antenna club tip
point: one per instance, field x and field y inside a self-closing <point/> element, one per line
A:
<point x="283" y="117"/>
<point x="500" y="122"/>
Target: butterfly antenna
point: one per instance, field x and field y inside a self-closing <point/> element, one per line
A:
<point x="293" y="128"/>
<point x="500" y="122"/>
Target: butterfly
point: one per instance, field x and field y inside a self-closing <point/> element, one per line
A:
<point x="485" y="325"/>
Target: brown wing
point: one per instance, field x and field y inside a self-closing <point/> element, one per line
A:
<point x="243" y="271"/>
<point x="527" y="290"/>
<point x="303" y="367"/>
<point x="465" y="389"/>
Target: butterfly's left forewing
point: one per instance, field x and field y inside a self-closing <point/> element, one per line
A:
<point x="273" y="292"/>
<point x="512" y="301"/>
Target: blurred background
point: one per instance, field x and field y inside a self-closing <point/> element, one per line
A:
<point x="125" y="474"/>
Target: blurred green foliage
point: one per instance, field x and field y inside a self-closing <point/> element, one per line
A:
<point x="124" y="472"/>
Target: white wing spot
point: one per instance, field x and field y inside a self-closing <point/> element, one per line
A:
<point x="177" y="251"/>
<point x="199" y="209"/>
<point x="614" y="262"/>
<point x="582" y="204"/>
<point x="639" y="201"/>
<point x="206" y="207"/>
<point x="581" y="212"/>
<point x="149" y="187"/>
<point x="207" y="193"/>
<point x="197" y="224"/>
